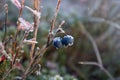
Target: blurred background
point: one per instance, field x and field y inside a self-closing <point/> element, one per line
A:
<point x="101" y="19"/>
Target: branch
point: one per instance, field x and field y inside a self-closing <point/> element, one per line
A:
<point x="36" y="24"/>
<point x="89" y="63"/>
<point x="93" y="43"/>
<point x="15" y="39"/>
<point x="20" y="14"/>
<point x="99" y="64"/>
<point x="53" y="22"/>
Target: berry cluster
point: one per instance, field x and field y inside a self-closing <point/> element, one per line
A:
<point x="66" y="41"/>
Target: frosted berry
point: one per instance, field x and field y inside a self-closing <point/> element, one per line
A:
<point x="57" y="42"/>
<point x="67" y="40"/>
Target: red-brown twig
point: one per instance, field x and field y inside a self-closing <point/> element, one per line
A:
<point x="53" y="22"/>
<point x="20" y="14"/>
<point x="36" y="24"/>
<point x="15" y="40"/>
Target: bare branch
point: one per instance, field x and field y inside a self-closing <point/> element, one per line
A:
<point x="93" y="44"/>
<point x="89" y="63"/>
<point x="36" y="24"/>
<point x="99" y="64"/>
<point x="53" y="22"/>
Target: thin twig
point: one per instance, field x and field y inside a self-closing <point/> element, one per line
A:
<point x="55" y="15"/>
<point x="89" y="63"/>
<point x="99" y="64"/>
<point x="21" y="43"/>
<point x="93" y="43"/>
<point x="106" y="71"/>
<point x="53" y="22"/>
<point x="38" y="58"/>
<point x="20" y="14"/>
<point x="63" y="22"/>
<point x="41" y="53"/>
<point x="35" y="61"/>
<point x="36" y="24"/>
<point x="7" y="73"/>
<point x="15" y="39"/>
<point x="27" y="70"/>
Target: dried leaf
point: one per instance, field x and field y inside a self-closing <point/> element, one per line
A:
<point x="25" y="25"/>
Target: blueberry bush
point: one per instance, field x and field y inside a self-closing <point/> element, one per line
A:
<point x="59" y="40"/>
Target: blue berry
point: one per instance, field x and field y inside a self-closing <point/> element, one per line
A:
<point x="67" y="40"/>
<point x="57" y="42"/>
